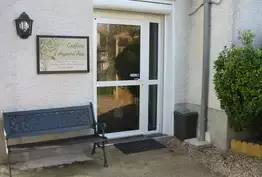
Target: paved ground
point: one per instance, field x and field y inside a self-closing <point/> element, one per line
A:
<point x="159" y="163"/>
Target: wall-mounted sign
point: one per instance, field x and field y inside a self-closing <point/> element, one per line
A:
<point x="62" y="54"/>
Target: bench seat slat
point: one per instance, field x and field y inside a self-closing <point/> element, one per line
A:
<point x="56" y="143"/>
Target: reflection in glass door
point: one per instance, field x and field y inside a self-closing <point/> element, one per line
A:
<point x="118" y="111"/>
<point x="118" y="52"/>
<point x="118" y="59"/>
<point x="128" y="82"/>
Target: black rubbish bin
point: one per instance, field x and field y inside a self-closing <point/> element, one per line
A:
<point x="185" y="124"/>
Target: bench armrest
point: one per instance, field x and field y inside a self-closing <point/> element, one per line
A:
<point x="102" y="127"/>
<point x="2" y="116"/>
<point x="5" y="135"/>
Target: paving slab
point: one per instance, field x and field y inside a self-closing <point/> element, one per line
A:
<point x="156" y="163"/>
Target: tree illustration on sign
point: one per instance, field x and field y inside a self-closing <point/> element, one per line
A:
<point x="48" y="47"/>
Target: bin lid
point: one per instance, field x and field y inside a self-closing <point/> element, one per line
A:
<point x="185" y="111"/>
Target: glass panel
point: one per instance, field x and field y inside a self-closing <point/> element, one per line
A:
<point x="118" y="52"/>
<point x="118" y="108"/>
<point x="153" y="51"/>
<point x="152" y="108"/>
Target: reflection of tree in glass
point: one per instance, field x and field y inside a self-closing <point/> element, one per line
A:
<point x="109" y="47"/>
<point x="127" y="62"/>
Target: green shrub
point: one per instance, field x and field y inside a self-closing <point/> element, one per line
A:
<point x="238" y="83"/>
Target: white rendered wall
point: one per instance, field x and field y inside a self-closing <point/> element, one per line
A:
<point x="221" y="35"/>
<point x="194" y="57"/>
<point x="181" y="50"/>
<point x="227" y="19"/>
<point x="248" y="15"/>
<point x="21" y="88"/>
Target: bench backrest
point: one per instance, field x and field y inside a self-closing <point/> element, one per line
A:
<point x="47" y="121"/>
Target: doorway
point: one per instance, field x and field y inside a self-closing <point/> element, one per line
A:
<point x="129" y="72"/>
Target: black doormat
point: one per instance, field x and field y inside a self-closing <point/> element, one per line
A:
<point x="139" y="146"/>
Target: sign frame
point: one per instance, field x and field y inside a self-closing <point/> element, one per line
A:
<point x="39" y="71"/>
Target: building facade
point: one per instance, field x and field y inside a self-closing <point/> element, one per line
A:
<point x="164" y="72"/>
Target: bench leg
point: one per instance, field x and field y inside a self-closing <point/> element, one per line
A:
<point x="9" y="165"/>
<point x="94" y="149"/>
<point x="104" y="153"/>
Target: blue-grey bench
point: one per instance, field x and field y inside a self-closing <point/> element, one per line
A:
<point x="49" y="121"/>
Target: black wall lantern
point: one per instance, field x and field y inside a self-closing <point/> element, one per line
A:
<point x="24" y="26"/>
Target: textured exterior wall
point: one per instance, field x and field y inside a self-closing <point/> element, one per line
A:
<point x="21" y="88"/>
<point x="221" y="34"/>
<point x="227" y="19"/>
<point x="181" y="40"/>
<point x="217" y="125"/>
<point x="195" y="50"/>
<point x="247" y="15"/>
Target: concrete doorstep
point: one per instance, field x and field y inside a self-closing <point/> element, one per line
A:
<point x="42" y="158"/>
<point x="51" y="161"/>
<point x="199" y="144"/>
<point x="53" y="157"/>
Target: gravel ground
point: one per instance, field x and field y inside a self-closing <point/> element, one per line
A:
<point x="227" y="163"/>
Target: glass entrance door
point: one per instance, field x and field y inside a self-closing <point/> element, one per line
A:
<point x="127" y="101"/>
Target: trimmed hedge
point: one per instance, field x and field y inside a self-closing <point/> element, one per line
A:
<point x="238" y="83"/>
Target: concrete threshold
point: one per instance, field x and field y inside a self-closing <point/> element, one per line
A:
<point x="199" y="144"/>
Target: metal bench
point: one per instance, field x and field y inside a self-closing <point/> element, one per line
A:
<point x="49" y="121"/>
